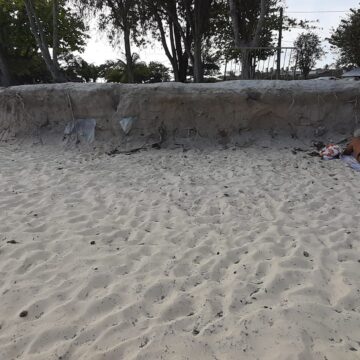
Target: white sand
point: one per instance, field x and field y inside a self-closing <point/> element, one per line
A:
<point x="246" y="254"/>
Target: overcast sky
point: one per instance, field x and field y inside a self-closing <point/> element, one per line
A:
<point x="99" y="50"/>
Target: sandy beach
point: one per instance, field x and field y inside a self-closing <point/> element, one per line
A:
<point x="248" y="253"/>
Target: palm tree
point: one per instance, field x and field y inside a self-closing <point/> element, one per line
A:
<point x="118" y="71"/>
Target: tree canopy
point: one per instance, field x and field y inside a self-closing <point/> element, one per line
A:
<point x="346" y="38"/>
<point x="20" y="57"/>
<point x="154" y="72"/>
<point x="309" y="50"/>
<point x="42" y="40"/>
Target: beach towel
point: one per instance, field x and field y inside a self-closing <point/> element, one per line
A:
<point x="352" y="162"/>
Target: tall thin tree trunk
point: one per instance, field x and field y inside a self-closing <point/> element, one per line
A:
<point x="55" y="31"/>
<point x="175" y="63"/>
<point x="180" y="38"/>
<point x="225" y="70"/>
<point x="235" y="22"/>
<point x="198" y="63"/>
<point x="38" y="32"/>
<point x="198" y="29"/>
<point x="5" y="77"/>
<point x="260" y="24"/>
<point x="128" y="55"/>
<point x="172" y="57"/>
<point x="60" y="77"/>
<point x="183" y="59"/>
<point x="187" y="43"/>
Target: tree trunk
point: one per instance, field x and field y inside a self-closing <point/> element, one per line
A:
<point x="175" y="63"/>
<point x="5" y="77"/>
<point x="225" y="70"/>
<point x="260" y="24"/>
<point x="246" y="61"/>
<point x="128" y="55"/>
<point x="235" y="22"/>
<point x="198" y="63"/>
<point x="38" y="32"/>
<point x="187" y="43"/>
<point x="180" y="38"/>
<point x="60" y="77"/>
<point x="55" y="31"/>
<point x="244" y="45"/>
<point x="201" y="12"/>
<point x="197" y="17"/>
<point x="183" y="59"/>
<point x="172" y="57"/>
<point x="306" y="73"/>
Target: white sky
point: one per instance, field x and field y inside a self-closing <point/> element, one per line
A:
<point x="99" y="50"/>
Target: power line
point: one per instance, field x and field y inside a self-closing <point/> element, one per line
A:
<point x="317" y="11"/>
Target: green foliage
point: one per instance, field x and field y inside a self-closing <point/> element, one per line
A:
<point x="158" y="72"/>
<point x="18" y="45"/>
<point x="309" y="51"/>
<point x="155" y="72"/>
<point x="113" y="16"/>
<point x="221" y="33"/>
<point x="121" y="20"/>
<point x="346" y="38"/>
<point x="79" y="70"/>
<point x="211" y="65"/>
<point x="192" y="32"/>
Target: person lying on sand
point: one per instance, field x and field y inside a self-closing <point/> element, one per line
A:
<point x="353" y="148"/>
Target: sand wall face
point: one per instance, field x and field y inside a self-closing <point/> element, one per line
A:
<point x="170" y="112"/>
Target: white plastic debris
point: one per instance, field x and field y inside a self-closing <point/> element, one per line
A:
<point x="127" y="124"/>
<point x="82" y="128"/>
<point x="69" y="128"/>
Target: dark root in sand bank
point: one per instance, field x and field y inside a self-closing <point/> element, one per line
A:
<point x="162" y="115"/>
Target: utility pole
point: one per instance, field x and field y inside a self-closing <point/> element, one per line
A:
<point x="278" y="64"/>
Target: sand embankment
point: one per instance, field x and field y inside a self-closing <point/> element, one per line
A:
<point x="224" y="111"/>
